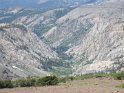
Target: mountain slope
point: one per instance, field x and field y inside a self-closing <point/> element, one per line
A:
<point x="41" y="22"/>
<point x="22" y="53"/>
<point x="94" y="35"/>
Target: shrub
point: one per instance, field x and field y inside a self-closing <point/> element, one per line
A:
<point x="118" y="76"/>
<point x="48" y="80"/>
<point x="71" y="78"/>
<point x="28" y="82"/>
<point x="100" y="75"/>
<point x="6" y="84"/>
<point x="22" y="83"/>
<point x="62" y="80"/>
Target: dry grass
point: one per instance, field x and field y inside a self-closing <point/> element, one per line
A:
<point x="77" y="86"/>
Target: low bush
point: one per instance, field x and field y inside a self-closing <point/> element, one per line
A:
<point x="48" y="80"/>
<point x="26" y="82"/>
<point x="71" y="78"/>
<point x="99" y="75"/>
<point x="6" y="84"/>
<point x="62" y="80"/>
<point x="118" y="76"/>
<point x="65" y="79"/>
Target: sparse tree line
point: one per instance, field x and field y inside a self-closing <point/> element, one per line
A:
<point x="53" y="80"/>
<point x="29" y="82"/>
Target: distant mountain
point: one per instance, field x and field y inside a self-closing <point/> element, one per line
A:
<point x="17" y="3"/>
<point x="45" y="4"/>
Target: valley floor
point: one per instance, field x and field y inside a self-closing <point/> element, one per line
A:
<point x="99" y="85"/>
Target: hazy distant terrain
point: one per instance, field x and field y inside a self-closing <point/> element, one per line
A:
<point x="64" y="37"/>
<point x="42" y="4"/>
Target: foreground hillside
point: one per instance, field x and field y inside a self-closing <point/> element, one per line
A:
<point x="99" y="85"/>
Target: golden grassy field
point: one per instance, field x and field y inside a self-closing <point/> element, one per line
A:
<point x="98" y="85"/>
